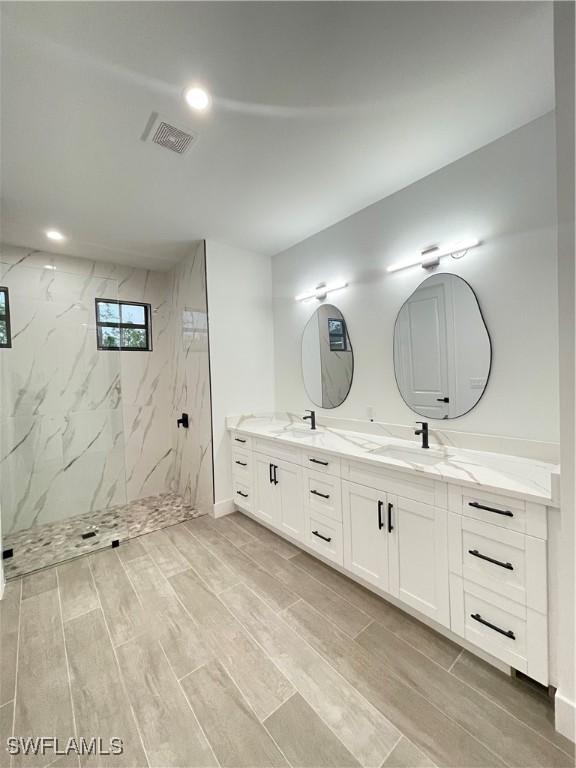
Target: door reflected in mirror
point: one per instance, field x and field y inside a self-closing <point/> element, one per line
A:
<point x="327" y="358"/>
<point x="442" y="349"/>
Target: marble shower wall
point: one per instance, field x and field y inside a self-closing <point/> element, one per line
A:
<point x="82" y="429"/>
<point x="193" y="467"/>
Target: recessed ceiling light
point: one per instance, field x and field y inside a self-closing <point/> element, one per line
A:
<point x="53" y="234"/>
<point x="197" y="98"/>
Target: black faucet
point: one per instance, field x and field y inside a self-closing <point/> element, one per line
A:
<point x="311" y="418"/>
<point x="423" y="432"/>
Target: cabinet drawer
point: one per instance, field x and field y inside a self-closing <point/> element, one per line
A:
<point x="242" y="495"/>
<point x="504" y="511"/>
<point x="241" y="441"/>
<point x="510" y="563"/>
<point x="325" y="536"/>
<point x="242" y="465"/>
<point x="321" y="462"/>
<point x="323" y="494"/>
<point x="277" y="450"/>
<point x="511" y="632"/>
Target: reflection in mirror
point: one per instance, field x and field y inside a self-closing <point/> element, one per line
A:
<point x="442" y="351"/>
<point x="327" y="358"/>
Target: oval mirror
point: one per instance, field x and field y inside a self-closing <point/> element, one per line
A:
<point x="327" y="358"/>
<point x="442" y="350"/>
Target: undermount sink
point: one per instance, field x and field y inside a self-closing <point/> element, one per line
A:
<point x="300" y="433"/>
<point x="410" y="455"/>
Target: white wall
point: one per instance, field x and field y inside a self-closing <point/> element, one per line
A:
<point x="241" y="347"/>
<point x="504" y="194"/>
<point x="564" y="33"/>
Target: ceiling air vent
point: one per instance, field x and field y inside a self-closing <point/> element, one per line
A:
<point x="173" y="138"/>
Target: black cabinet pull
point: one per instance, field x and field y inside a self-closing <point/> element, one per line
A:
<point x="323" y="495"/>
<point x="275" y="476"/>
<point x="245" y="495"/>
<point x="442" y="399"/>
<point x="380" y="523"/>
<point x="324" y="538"/>
<point x="508" y="566"/>
<point x="390" y="526"/>
<point x="242" y="463"/>
<point x="271" y="473"/>
<point x="317" y="461"/>
<point x="239" y="440"/>
<point x="505" y="512"/>
<point x="505" y="632"/>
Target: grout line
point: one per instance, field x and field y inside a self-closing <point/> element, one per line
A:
<point x="281" y="704"/>
<point x="451" y="667"/>
<point x="393" y="748"/>
<point x="74" y="724"/>
<point x="118" y="670"/>
<point x="357" y="635"/>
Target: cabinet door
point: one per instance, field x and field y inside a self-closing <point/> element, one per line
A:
<point x="419" y="557"/>
<point x="365" y="533"/>
<point x="266" y="506"/>
<point x="289" y="499"/>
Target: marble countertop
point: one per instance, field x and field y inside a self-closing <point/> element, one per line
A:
<point x="524" y="478"/>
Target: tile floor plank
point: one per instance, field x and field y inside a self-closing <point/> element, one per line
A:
<point x="100" y="703"/>
<point x="510" y="739"/>
<point x="230" y="529"/>
<point x="167" y="618"/>
<point x="9" y="621"/>
<point x="345" y="615"/>
<point x="426" y="640"/>
<point x="264" y="584"/>
<point x="6" y="722"/>
<point x="445" y="742"/>
<point x="265" y="535"/>
<point x="529" y="704"/>
<point x="261" y="683"/>
<point x="237" y="737"/>
<point x="38" y="582"/>
<point x="365" y="732"/>
<point x="305" y="739"/>
<point x="122" y="610"/>
<point x="43" y="705"/>
<point x="406" y="755"/>
<point x="170" y="731"/>
<point x="77" y="591"/>
<point x="164" y="553"/>
<point x="217" y="575"/>
<point x="130" y="549"/>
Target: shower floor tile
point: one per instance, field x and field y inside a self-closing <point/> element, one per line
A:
<point x="53" y="543"/>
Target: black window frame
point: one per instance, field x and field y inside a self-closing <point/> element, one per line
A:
<point x="146" y="326"/>
<point x="6" y="318"/>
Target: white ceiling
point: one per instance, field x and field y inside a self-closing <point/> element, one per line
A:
<point x="319" y="110"/>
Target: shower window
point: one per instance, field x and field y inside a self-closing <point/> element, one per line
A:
<point x="123" y="325"/>
<point x="5" y="334"/>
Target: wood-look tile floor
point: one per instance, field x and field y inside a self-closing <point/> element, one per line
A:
<point x="217" y="643"/>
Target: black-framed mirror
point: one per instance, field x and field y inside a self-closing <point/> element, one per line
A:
<point x="442" y="348"/>
<point x="327" y="358"/>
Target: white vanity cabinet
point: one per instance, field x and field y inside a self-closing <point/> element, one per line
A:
<point x="366" y="541"/>
<point x="465" y="557"/>
<point x="278" y="492"/>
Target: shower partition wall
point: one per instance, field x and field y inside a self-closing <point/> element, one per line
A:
<point x="89" y="454"/>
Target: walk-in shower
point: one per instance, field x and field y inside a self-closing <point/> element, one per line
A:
<point x="97" y="363"/>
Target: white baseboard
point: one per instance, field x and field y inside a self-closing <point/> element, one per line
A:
<point x="565" y="712"/>
<point x="223" y="508"/>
